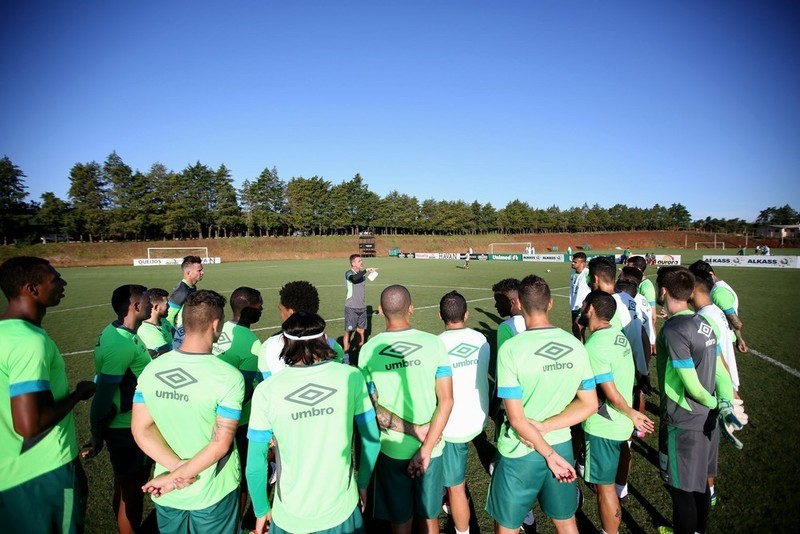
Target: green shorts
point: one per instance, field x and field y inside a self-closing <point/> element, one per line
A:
<point x="518" y="482"/>
<point x="687" y="457"/>
<point x="222" y="516"/>
<point x="398" y="497"/>
<point x="353" y="524"/>
<point x="602" y="459"/>
<point x="52" y="502"/>
<point x="454" y="460"/>
<point x="125" y="455"/>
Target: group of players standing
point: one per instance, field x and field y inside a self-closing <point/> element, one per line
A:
<point x="284" y="412"/>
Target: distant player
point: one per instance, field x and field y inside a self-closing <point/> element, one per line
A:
<point x="408" y="372"/>
<point x="119" y="358"/>
<point x="239" y="346"/>
<point x="578" y="289"/>
<point x="293" y="297"/>
<point x="688" y="434"/>
<point x="192" y="268"/>
<point x="468" y="256"/>
<point x="544" y="376"/>
<point x="355" y="303"/>
<point x="185" y="415"/>
<point x="647" y="290"/>
<point x="608" y="431"/>
<point x="469" y="358"/>
<point x="156" y="332"/>
<point x="42" y="483"/>
<point x="312" y="409"/>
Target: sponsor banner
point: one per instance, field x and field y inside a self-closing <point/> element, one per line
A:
<point x="773" y="262"/>
<point x="146" y="262"/>
<point x="549" y="258"/>
<point x="425" y="255"/>
<point x="505" y="257"/>
<point x="449" y="256"/>
<point x="666" y="259"/>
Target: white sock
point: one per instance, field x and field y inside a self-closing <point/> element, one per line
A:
<point x="462" y="531"/>
<point x="711" y="489"/>
<point x="621" y="490"/>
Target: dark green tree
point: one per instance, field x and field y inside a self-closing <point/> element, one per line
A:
<point x="14" y="211"/>
<point x="88" y="193"/>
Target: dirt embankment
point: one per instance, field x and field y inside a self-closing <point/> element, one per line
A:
<point x="278" y="248"/>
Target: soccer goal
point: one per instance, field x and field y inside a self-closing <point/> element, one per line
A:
<point x="506" y="248"/>
<point x="709" y="244"/>
<point x="174" y="256"/>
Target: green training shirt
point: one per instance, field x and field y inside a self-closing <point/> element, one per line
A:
<point x="311" y="411"/>
<point x="239" y="346"/>
<point x="648" y="291"/>
<point x="119" y="358"/>
<point x="184" y="394"/>
<point x="544" y="368"/>
<point x="156" y="337"/>
<point x="30" y="362"/>
<point x="611" y="359"/>
<point x="403" y="367"/>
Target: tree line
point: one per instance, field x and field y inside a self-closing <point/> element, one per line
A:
<point x="112" y="201"/>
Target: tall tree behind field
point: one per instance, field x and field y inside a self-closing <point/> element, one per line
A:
<point x="225" y="211"/>
<point x="190" y="202"/>
<point x="54" y="216"/>
<point x="308" y="204"/>
<point x="264" y="203"/>
<point x="88" y="192"/>
<point x="128" y="193"/>
<point x="13" y="208"/>
<point x="354" y="205"/>
<point x="158" y="179"/>
<point x="783" y="215"/>
<point x="396" y="213"/>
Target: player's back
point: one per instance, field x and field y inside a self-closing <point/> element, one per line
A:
<point x="469" y="358"/>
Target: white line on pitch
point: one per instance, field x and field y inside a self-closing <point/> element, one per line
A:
<point x="790" y="370"/>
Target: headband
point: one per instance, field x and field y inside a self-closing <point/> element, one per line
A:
<point x="303" y="338"/>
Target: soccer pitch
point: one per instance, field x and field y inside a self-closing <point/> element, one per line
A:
<point x="757" y="487"/>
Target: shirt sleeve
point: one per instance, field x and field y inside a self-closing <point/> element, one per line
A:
<point x="28" y="371"/>
<point x="508" y="386"/>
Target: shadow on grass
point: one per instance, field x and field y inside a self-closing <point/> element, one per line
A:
<point x="656" y="519"/>
<point x="645" y="451"/>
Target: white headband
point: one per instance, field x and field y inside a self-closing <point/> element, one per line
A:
<point x="303" y="338"/>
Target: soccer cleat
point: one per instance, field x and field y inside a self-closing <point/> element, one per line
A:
<point x="713" y="500"/>
<point x="665" y="530"/>
<point x="529" y="523"/>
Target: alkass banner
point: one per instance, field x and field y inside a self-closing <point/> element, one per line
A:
<point x="146" y="262"/>
<point x="549" y="258"/>
<point x="773" y="262"/>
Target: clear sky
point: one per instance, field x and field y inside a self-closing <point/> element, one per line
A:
<point x="631" y="102"/>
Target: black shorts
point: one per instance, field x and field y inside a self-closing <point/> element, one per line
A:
<point x="126" y="456"/>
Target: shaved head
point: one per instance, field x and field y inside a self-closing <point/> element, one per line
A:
<point x="395" y="301"/>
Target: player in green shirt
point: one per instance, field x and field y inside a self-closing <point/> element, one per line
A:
<point x="185" y="415"/>
<point x="119" y="359"/>
<point x="155" y="331"/>
<point x="608" y="431"/>
<point x="312" y="409"/>
<point x="239" y="346"/>
<point x="408" y="372"/>
<point x="42" y="482"/>
<point x="546" y="383"/>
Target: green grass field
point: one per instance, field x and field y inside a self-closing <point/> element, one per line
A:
<point x="757" y="487"/>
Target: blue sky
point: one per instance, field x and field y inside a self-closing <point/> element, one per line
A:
<point x="550" y="102"/>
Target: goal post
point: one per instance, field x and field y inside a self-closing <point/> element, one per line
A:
<point x="152" y="250"/>
<point x="173" y="256"/>
<point x="509" y="247"/>
<point x="710" y="244"/>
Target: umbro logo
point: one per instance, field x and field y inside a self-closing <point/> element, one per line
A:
<point x="310" y="394"/>
<point x="632" y="305"/>
<point x="621" y="341"/>
<point x="706" y="330"/>
<point x="224" y="339"/>
<point x="176" y="378"/>
<point x="553" y="351"/>
<point x="400" y="350"/>
<point x="463" y="350"/>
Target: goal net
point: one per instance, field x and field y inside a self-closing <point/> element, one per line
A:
<point x="174" y="256"/>
<point x="509" y="248"/>
<point x="709" y="244"/>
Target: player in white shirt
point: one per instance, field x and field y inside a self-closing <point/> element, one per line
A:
<point x="578" y="289"/>
<point x="469" y="357"/>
